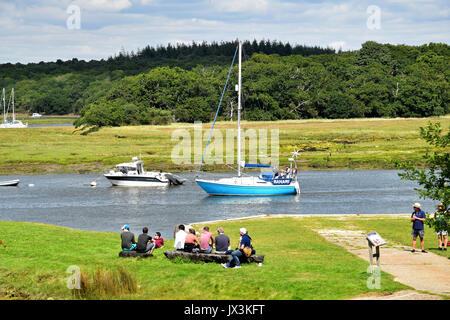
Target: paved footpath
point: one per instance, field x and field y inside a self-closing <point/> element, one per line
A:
<point x="422" y="271"/>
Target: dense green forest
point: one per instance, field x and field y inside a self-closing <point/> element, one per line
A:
<point x="183" y="83"/>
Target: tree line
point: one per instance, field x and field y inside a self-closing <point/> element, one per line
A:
<point x="63" y="87"/>
<point x="379" y="80"/>
<point x="183" y="83"/>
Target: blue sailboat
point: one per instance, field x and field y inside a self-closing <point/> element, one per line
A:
<point x="270" y="183"/>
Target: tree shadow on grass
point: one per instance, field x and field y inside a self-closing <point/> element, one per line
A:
<point x="84" y="131"/>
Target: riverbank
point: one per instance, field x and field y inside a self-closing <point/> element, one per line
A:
<point x="297" y="261"/>
<point x="324" y="144"/>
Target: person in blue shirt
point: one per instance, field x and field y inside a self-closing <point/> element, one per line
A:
<point x="245" y="241"/>
<point x="417" y="219"/>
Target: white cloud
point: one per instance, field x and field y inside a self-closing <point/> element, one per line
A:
<point x="148" y="2"/>
<point x="35" y="32"/>
<point x="103" y="5"/>
<point x="242" y="6"/>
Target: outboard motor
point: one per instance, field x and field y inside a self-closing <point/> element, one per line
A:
<point x="173" y="180"/>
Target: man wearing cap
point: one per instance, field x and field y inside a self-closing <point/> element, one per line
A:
<point x="128" y="242"/>
<point x="417" y="219"/>
<point x="245" y="241"/>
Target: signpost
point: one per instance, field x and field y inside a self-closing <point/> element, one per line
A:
<point x="374" y="240"/>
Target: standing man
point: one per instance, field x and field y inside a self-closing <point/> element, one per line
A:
<point x="417" y="219"/>
<point x="441" y="227"/>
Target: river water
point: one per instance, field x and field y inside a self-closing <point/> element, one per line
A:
<point x="68" y="200"/>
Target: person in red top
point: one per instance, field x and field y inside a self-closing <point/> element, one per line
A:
<point x="206" y="241"/>
<point x="158" y="241"/>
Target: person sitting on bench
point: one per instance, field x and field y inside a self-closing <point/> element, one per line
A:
<point x="144" y="243"/>
<point x="245" y="242"/>
<point x="222" y="242"/>
<point x="128" y="242"/>
<point x="206" y="241"/>
<point x="191" y="241"/>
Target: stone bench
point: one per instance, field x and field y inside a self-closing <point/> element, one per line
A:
<point x="134" y="254"/>
<point x="210" y="257"/>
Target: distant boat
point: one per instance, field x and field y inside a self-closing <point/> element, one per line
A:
<point x="9" y="183"/>
<point x="132" y="174"/>
<point x="270" y="183"/>
<point x="36" y="115"/>
<point x="10" y="123"/>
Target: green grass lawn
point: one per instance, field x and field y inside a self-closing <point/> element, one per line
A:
<point x="299" y="264"/>
<point x="327" y="144"/>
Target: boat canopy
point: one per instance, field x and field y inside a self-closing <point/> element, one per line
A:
<point x="254" y="165"/>
<point x="131" y="166"/>
<point x="127" y="165"/>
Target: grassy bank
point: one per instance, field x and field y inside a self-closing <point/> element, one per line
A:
<point x="325" y="144"/>
<point x="299" y="263"/>
<point x="44" y="120"/>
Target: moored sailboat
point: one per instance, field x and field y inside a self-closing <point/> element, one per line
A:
<point x="266" y="184"/>
<point x="14" y="123"/>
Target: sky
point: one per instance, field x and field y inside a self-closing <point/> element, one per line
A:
<point x="47" y="30"/>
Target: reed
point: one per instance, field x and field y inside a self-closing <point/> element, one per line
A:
<point x="105" y="284"/>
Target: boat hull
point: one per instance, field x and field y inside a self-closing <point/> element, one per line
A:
<point x="13" y="126"/>
<point x="135" y="181"/>
<point x="10" y="183"/>
<point x="217" y="188"/>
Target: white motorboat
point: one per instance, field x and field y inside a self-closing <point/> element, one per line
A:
<point x="132" y="174"/>
<point x="14" y="123"/>
<point x="36" y="115"/>
<point x="9" y="183"/>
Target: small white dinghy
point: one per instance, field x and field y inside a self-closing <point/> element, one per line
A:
<point x="9" y="183"/>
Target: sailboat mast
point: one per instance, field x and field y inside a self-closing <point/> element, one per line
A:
<point x="4" y="105"/>
<point x="239" y="112"/>
<point x="14" y="115"/>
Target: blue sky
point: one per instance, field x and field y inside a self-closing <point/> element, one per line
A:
<point x="33" y="31"/>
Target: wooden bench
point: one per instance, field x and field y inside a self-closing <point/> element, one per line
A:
<point x="210" y="257"/>
<point x="134" y="254"/>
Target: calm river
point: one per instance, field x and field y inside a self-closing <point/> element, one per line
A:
<point x="68" y="200"/>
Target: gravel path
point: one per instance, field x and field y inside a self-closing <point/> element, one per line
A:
<point x="425" y="272"/>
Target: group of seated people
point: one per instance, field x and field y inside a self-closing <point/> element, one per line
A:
<point x="145" y="243"/>
<point x="188" y="242"/>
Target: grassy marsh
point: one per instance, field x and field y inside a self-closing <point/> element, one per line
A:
<point x="324" y="144"/>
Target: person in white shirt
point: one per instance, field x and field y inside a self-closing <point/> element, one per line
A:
<point x="180" y="237"/>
